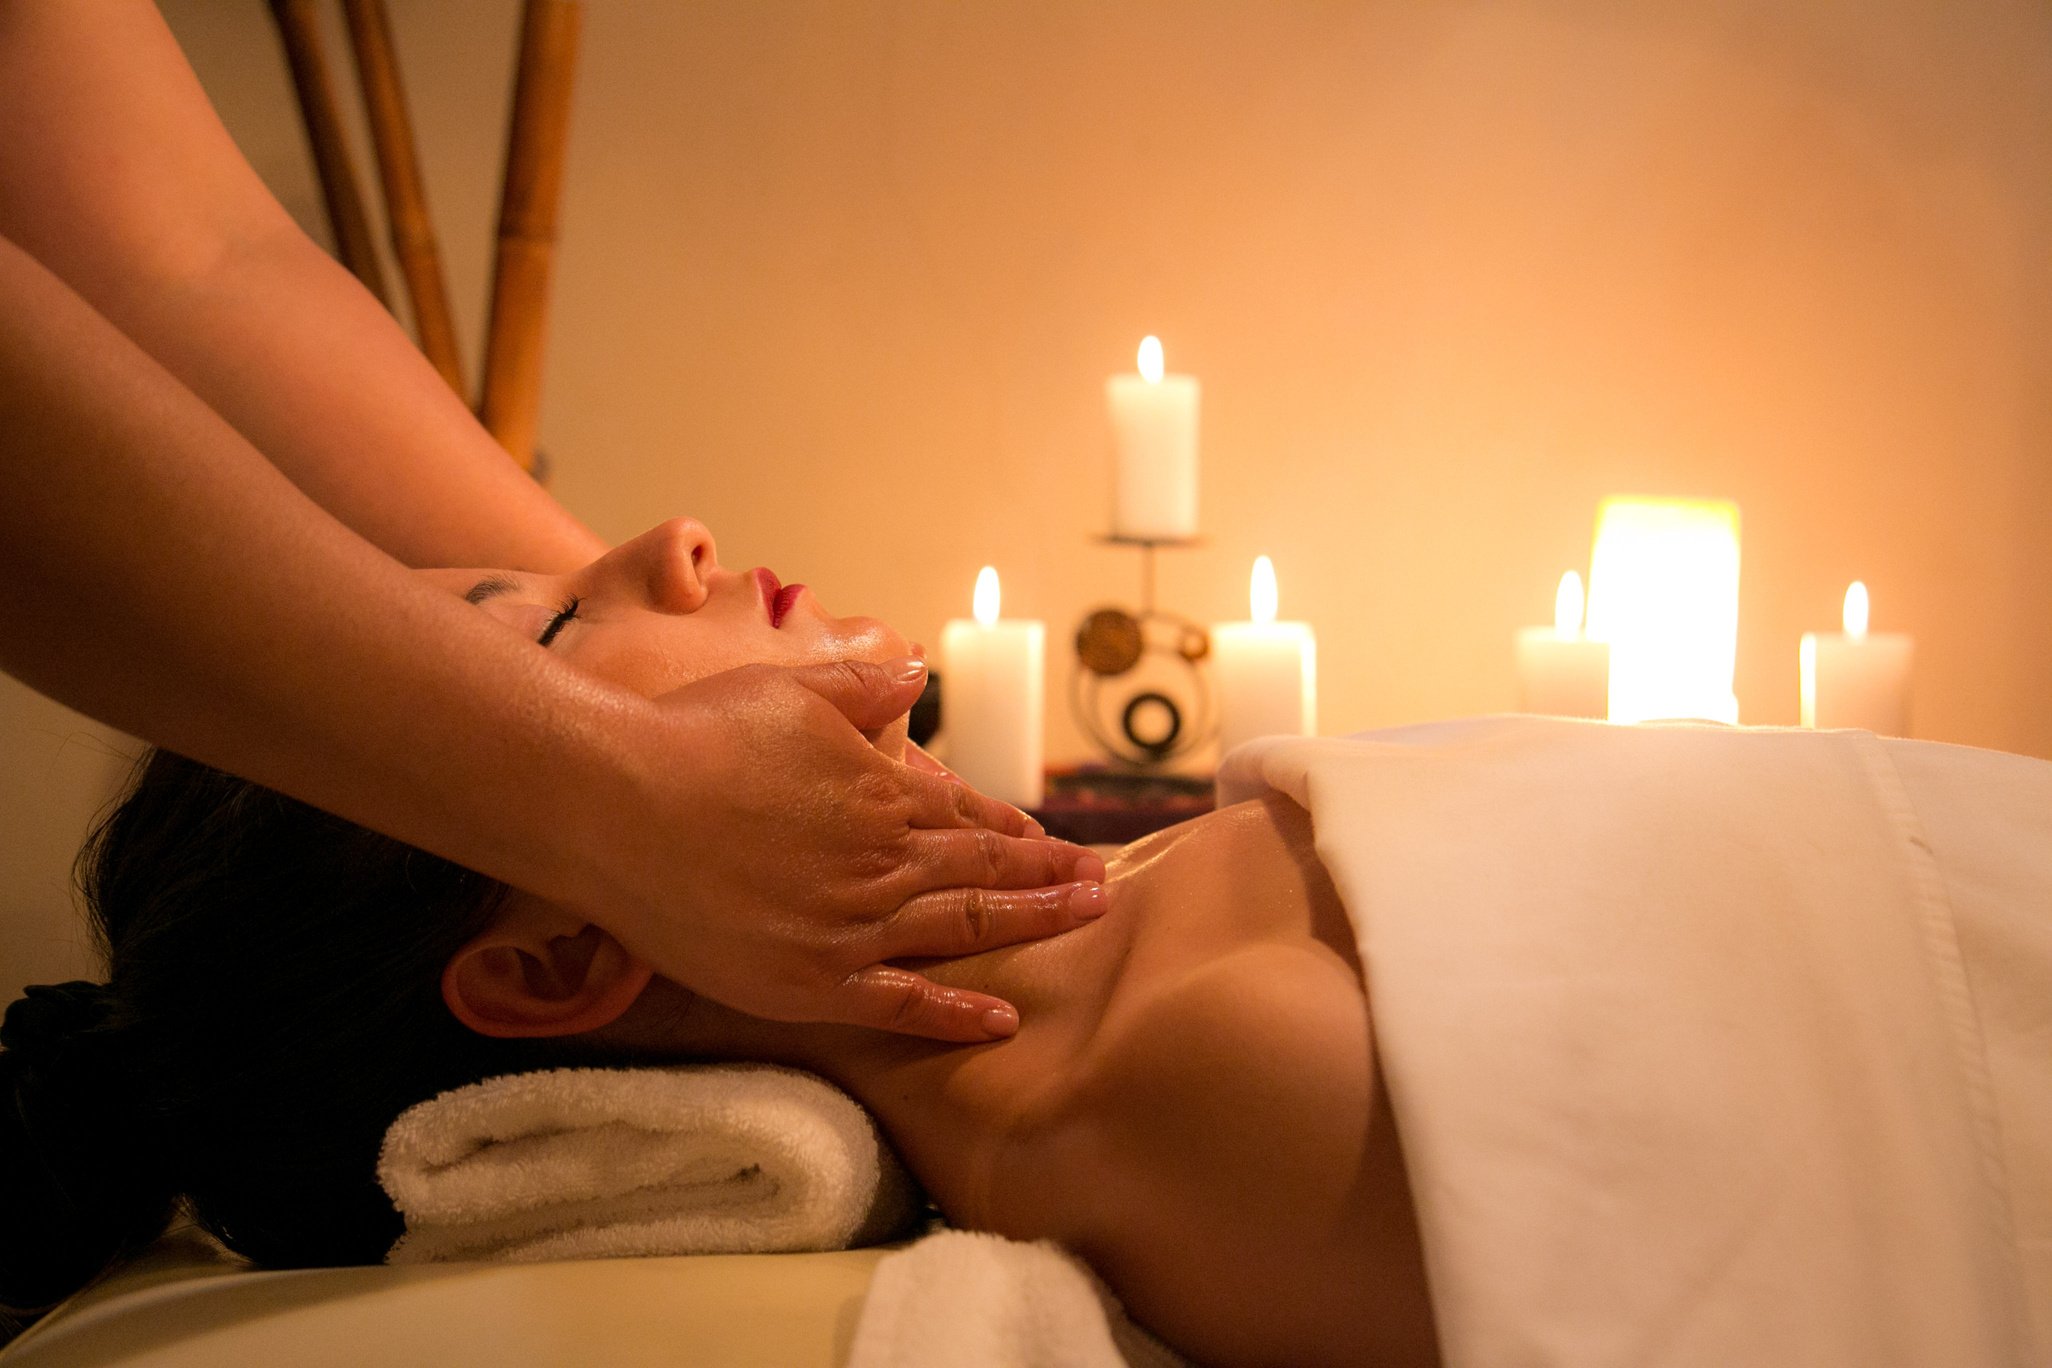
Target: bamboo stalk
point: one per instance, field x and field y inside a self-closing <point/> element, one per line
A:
<point x="413" y="234"/>
<point x="510" y="399"/>
<point x="299" y="31"/>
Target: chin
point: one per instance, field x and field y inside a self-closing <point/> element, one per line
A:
<point x="869" y="639"/>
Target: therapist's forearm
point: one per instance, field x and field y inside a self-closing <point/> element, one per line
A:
<point x="116" y="174"/>
<point x="291" y="350"/>
<point x="165" y="578"/>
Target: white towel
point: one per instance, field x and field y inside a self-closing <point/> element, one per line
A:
<point x="1688" y="1063"/>
<point x="596" y="1163"/>
<point x="958" y="1297"/>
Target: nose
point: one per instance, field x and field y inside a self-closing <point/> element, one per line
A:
<point x="671" y="564"/>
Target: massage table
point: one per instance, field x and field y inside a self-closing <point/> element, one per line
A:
<point x="186" y="1303"/>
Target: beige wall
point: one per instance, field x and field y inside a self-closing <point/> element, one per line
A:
<point x="845" y="279"/>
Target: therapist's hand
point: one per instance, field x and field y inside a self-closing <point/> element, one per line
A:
<point x="917" y="758"/>
<point x="815" y="859"/>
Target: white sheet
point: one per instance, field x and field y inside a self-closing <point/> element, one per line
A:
<point x="1687" y="1061"/>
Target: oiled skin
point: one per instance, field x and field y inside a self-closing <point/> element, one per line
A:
<point x="1191" y="1102"/>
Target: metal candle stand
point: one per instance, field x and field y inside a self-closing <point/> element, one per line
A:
<point x="1152" y="727"/>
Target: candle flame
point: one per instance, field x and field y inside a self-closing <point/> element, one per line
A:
<point x="1567" y="605"/>
<point x="1856" y="609"/>
<point x="986" y="600"/>
<point x="1261" y="593"/>
<point x="1151" y="366"/>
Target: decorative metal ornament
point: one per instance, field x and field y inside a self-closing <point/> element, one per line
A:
<point x="1110" y="642"/>
<point x="1142" y="694"/>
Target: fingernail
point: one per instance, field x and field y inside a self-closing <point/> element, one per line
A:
<point x="1087" y="901"/>
<point x="1035" y="829"/>
<point x="1000" y="1022"/>
<point x="909" y="670"/>
<point x="1089" y="868"/>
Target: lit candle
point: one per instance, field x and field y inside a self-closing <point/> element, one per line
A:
<point x="992" y="694"/>
<point x="1561" y="673"/>
<point x="1857" y="678"/>
<point x="1154" y="429"/>
<point x="1663" y="591"/>
<point x="1266" y="671"/>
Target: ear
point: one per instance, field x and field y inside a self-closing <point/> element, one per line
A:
<point x="541" y="972"/>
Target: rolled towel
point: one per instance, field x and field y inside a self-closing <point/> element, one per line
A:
<point x="598" y="1163"/>
<point x="966" y="1297"/>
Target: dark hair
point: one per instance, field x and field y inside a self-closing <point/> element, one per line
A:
<point x="272" y="1004"/>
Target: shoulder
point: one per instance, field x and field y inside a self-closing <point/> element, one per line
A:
<point x="1223" y="1150"/>
<point x="1260" y="1056"/>
<point x="1238" y="1033"/>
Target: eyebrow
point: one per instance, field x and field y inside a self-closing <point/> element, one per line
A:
<point x="489" y="587"/>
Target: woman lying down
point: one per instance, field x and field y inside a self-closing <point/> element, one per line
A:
<point x="1704" y="1045"/>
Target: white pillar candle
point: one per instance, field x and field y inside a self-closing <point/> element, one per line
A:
<point x="1266" y="671"/>
<point x="1664" y="592"/>
<point x="1856" y="678"/>
<point x="993" y="699"/>
<point x="1154" y="434"/>
<point x="1561" y="673"/>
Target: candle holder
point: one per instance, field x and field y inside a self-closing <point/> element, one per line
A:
<point x="1136" y="717"/>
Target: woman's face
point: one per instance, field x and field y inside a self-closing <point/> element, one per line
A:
<point x="660" y="611"/>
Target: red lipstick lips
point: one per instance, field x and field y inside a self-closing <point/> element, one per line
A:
<point x="777" y="597"/>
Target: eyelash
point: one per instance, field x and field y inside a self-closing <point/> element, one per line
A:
<point x="557" y="623"/>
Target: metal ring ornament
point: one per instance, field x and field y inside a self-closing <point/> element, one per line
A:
<point x="1113" y="642"/>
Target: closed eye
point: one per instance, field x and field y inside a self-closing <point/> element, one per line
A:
<point x="560" y="620"/>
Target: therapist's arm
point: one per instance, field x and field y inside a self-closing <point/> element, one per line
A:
<point x="739" y="834"/>
<point x="116" y="174"/>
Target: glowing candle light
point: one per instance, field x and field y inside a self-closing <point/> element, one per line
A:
<point x="993" y="698"/>
<point x="1266" y="671"/>
<point x="1154" y="431"/>
<point x="1663" y="592"/>
<point x="1561" y="672"/>
<point x="1568" y="604"/>
<point x="985" y="599"/>
<point x="1153" y="365"/>
<point x="1854" y="679"/>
